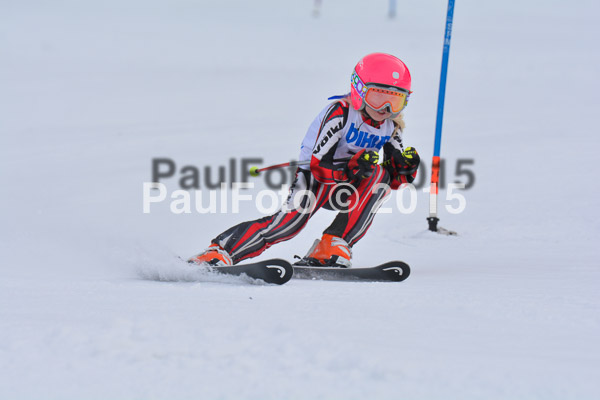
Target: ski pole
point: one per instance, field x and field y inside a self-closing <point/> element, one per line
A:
<point x="255" y="171"/>
<point x="435" y="165"/>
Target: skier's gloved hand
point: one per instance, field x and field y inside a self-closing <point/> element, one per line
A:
<point x="405" y="162"/>
<point x="362" y="164"/>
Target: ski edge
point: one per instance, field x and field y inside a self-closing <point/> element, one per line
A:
<point x="392" y="271"/>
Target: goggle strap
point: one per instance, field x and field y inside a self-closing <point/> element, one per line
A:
<point x="338" y="97"/>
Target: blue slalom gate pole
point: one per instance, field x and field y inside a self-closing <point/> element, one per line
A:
<point x="435" y="165"/>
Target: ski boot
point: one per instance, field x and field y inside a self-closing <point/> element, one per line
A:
<point x="215" y="255"/>
<point x="330" y="251"/>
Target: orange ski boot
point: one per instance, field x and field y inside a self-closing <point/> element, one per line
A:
<point x="214" y="255"/>
<point x="330" y="251"/>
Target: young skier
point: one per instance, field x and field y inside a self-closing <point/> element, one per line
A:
<point x="351" y="129"/>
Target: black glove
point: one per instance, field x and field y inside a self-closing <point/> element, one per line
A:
<point x="362" y="164"/>
<point x="404" y="162"/>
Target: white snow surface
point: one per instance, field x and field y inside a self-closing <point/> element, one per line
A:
<point x="92" y="91"/>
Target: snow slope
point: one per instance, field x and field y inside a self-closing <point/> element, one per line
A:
<point x="92" y="92"/>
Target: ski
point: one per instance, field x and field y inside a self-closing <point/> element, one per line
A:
<point x="275" y="270"/>
<point x="393" y="271"/>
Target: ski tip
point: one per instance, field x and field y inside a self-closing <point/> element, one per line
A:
<point x="276" y="271"/>
<point x="396" y="270"/>
<point x="282" y="268"/>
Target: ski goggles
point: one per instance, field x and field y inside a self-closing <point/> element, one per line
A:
<point x="380" y="97"/>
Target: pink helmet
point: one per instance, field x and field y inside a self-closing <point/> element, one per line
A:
<point x="377" y="69"/>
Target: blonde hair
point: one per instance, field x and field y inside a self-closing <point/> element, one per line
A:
<point x="398" y="121"/>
